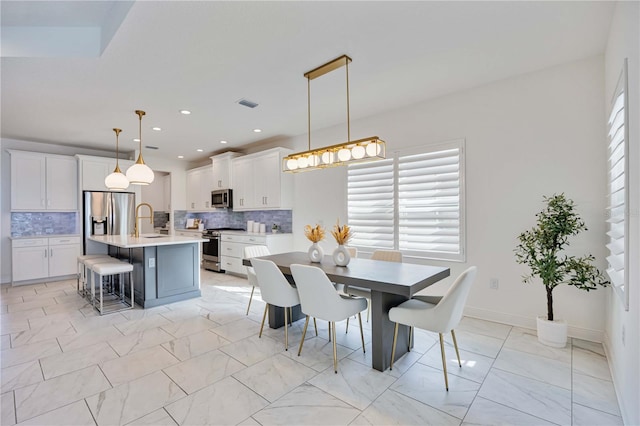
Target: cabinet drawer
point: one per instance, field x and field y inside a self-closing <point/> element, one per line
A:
<point x="246" y="239"/>
<point x="232" y="249"/>
<point x="30" y="242"/>
<point x="232" y="264"/>
<point x="63" y="240"/>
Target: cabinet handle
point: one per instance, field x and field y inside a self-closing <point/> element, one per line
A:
<point x="219" y="184"/>
<point x="193" y="205"/>
<point x="228" y="248"/>
<point x="64" y="241"/>
<point x="50" y="252"/>
<point x="206" y="204"/>
<point x="45" y="253"/>
<point x="42" y="202"/>
<point x="48" y="203"/>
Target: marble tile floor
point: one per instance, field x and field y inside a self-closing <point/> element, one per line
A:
<point x="200" y="362"/>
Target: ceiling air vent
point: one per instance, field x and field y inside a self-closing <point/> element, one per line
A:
<point x="247" y="103"/>
<point x="151" y="147"/>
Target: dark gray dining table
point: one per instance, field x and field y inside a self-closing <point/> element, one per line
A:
<point x="391" y="283"/>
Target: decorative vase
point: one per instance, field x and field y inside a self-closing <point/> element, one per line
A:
<point x="552" y="333"/>
<point x="315" y="253"/>
<point x="341" y="256"/>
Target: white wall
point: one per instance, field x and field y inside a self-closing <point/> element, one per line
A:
<point x="528" y="136"/>
<point x="624" y="358"/>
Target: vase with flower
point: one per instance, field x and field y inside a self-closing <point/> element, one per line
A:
<point x="315" y="235"/>
<point x="342" y="234"/>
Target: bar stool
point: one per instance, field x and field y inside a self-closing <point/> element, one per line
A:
<point x="82" y="270"/>
<point x="90" y="285"/>
<point x="110" y="269"/>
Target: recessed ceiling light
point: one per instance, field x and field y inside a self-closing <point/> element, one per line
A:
<point x="223" y="141"/>
<point x="136" y="140"/>
<point x="157" y="129"/>
<point x="257" y="130"/>
<point x="185" y="112"/>
<point x="199" y="150"/>
<point x="180" y="156"/>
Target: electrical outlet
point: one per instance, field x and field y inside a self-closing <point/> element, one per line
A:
<point x="493" y="283"/>
<point x="152" y="262"/>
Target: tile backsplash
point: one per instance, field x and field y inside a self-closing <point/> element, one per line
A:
<point x="232" y="219"/>
<point x="28" y="224"/>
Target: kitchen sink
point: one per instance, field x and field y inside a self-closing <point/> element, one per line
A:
<point x="153" y="236"/>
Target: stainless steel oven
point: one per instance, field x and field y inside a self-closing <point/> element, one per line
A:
<point x="212" y="248"/>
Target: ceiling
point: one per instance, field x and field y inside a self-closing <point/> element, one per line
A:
<point x="204" y="56"/>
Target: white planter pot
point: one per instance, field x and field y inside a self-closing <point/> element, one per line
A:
<point x="552" y="333"/>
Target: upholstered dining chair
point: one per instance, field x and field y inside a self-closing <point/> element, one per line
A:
<point x="434" y="313"/>
<point x="319" y="299"/>
<point x="249" y="252"/>
<point x="386" y="255"/>
<point x="275" y="291"/>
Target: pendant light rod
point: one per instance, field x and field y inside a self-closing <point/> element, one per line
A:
<point x="348" y="115"/>
<point x="117" y="169"/>
<point x="140" y="114"/>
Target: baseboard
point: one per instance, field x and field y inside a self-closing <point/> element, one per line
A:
<point x="606" y="343"/>
<point x="530" y="323"/>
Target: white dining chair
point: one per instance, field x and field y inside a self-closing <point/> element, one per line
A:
<point x="385" y="255"/>
<point x="275" y="291"/>
<point x="319" y="299"/>
<point x="249" y="252"/>
<point x="434" y="313"/>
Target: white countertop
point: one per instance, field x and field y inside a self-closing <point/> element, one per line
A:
<point x="145" y="240"/>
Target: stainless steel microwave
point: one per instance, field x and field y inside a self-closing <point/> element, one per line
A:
<point x="221" y="198"/>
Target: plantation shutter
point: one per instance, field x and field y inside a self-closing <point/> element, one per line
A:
<point x="618" y="192"/>
<point x="430" y="222"/>
<point x="370" y="204"/>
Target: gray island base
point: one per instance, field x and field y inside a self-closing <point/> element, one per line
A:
<point x="165" y="269"/>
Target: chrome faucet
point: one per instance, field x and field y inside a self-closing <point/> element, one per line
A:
<point x="150" y="217"/>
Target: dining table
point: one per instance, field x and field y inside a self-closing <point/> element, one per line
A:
<point x="391" y="283"/>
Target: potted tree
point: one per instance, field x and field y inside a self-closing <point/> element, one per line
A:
<point x="542" y="249"/>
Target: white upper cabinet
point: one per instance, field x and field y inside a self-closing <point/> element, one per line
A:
<point x="221" y="165"/>
<point x="258" y="181"/>
<point x="93" y="171"/>
<point x="199" y="187"/>
<point x="43" y="182"/>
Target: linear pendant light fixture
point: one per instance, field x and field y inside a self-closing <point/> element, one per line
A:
<point x="116" y="181"/>
<point x="140" y="173"/>
<point x="367" y="149"/>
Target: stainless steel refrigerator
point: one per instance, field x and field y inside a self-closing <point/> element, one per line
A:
<point x="106" y="213"/>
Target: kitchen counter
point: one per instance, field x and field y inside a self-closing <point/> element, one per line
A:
<point x="145" y="240"/>
<point x="166" y="268"/>
<point x="254" y="234"/>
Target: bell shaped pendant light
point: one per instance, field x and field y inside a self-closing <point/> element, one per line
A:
<point x="116" y="181"/>
<point x="140" y="173"/>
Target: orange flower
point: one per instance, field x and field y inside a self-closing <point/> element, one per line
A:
<point x="315" y="234"/>
<point x="342" y="234"/>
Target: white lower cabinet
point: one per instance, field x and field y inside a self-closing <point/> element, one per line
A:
<point x="40" y="258"/>
<point x="233" y="244"/>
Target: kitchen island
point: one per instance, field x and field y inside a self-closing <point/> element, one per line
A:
<point x="166" y="268"/>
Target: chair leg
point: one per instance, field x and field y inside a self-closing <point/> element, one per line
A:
<point x="286" y="331"/>
<point x="361" y="332"/>
<point x="290" y="316"/>
<point x="335" y="349"/>
<point x="455" y="345"/>
<point x="250" y="297"/>
<point x="444" y="363"/>
<point x="329" y="330"/>
<point x="393" y="348"/>
<point x="304" y="333"/>
<point x="368" y="309"/>
<point x="410" y="339"/>
<point x="264" y="316"/>
<point x="346" y="330"/>
<point x="315" y="324"/>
